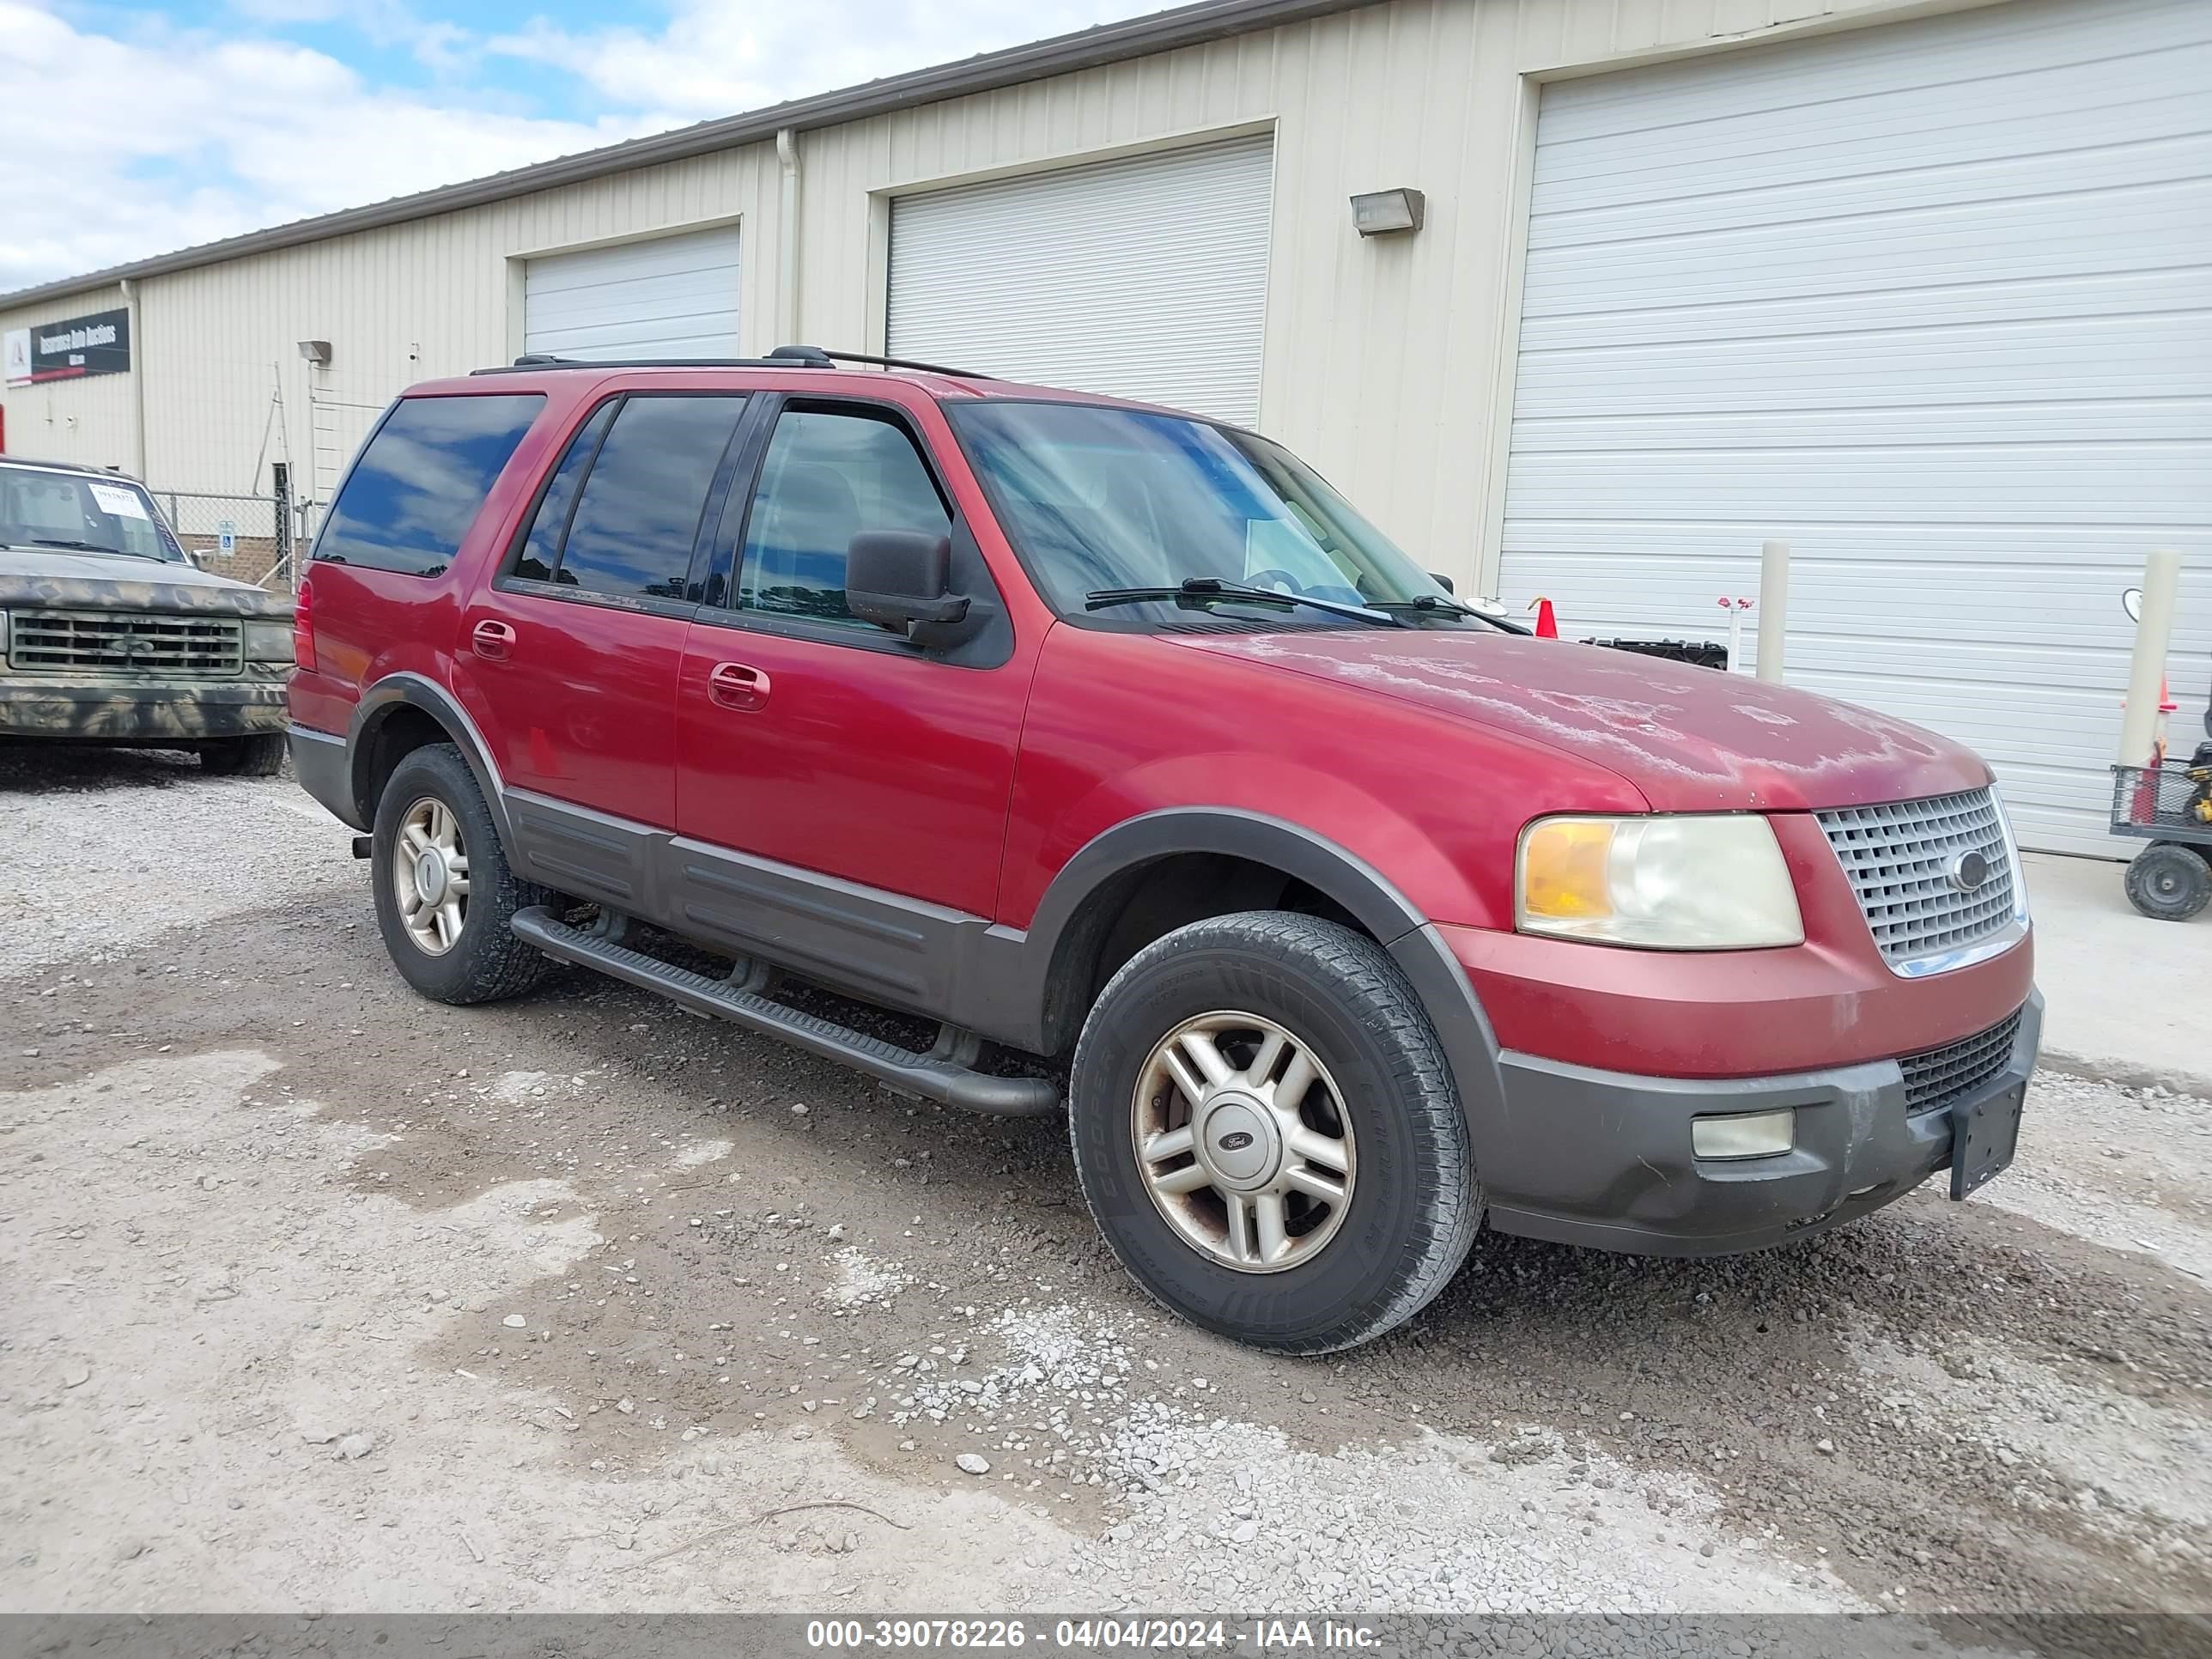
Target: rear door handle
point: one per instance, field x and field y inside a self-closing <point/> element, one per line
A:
<point x="734" y="685"/>
<point x="492" y="639"/>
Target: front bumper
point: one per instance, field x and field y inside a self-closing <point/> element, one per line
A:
<point x="140" y="711"/>
<point x="1604" y="1158"/>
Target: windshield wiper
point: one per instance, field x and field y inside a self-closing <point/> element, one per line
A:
<point x="94" y="547"/>
<point x="1213" y="588"/>
<point x="1438" y="604"/>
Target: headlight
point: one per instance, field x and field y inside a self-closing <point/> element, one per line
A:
<point x="1672" y="884"/>
<point x="267" y="641"/>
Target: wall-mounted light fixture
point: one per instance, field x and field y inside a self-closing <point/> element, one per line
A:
<point x="1383" y="212"/>
<point x="317" y="352"/>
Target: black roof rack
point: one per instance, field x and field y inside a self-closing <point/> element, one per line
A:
<point x="784" y="356"/>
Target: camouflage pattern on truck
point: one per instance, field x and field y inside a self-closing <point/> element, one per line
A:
<point x="192" y="592"/>
<point x="66" y="672"/>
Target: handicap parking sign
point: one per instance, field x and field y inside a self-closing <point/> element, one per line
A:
<point x="227" y="536"/>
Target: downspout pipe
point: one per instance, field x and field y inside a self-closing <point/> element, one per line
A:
<point x="787" y="239"/>
<point x="129" y="285"/>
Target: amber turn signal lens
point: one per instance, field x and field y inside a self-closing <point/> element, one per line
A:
<point x="1565" y="869"/>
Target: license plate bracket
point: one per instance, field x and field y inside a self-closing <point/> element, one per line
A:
<point x="1984" y="1135"/>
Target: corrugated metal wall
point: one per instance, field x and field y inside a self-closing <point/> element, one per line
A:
<point x="1381" y="360"/>
<point x="438" y="296"/>
<point x="1927" y="303"/>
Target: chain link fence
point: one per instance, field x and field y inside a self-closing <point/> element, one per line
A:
<point x="255" y="539"/>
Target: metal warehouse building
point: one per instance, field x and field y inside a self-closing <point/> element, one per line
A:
<point x="1924" y="289"/>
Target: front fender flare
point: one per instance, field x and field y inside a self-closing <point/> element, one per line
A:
<point x="1054" y="937"/>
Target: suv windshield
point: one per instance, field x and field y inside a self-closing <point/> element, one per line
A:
<point x="70" y="511"/>
<point x="1100" y="501"/>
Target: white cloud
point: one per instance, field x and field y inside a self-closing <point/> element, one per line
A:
<point x="123" y="147"/>
<point x="713" y="58"/>
<point x="139" y="136"/>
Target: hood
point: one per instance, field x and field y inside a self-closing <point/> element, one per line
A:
<point x="1691" y="739"/>
<point x="116" y="582"/>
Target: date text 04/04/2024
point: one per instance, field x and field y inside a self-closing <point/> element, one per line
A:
<point x="1091" y="1635"/>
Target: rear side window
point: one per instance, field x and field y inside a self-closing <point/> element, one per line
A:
<point x="622" y="513"/>
<point x="541" y="548"/>
<point x="415" y="491"/>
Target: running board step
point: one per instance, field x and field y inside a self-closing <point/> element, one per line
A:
<point x="930" y="1076"/>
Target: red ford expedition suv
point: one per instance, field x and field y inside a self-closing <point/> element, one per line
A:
<point x="1095" y="731"/>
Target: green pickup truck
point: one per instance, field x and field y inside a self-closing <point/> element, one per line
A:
<point x="110" y="633"/>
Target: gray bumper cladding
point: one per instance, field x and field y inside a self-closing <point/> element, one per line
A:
<point x="1604" y="1158"/>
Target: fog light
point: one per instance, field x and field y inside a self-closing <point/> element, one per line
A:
<point x="1750" y="1134"/>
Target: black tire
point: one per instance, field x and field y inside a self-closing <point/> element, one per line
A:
<point x="2169" y="881"/>
<point x="258" y="756"/>
<point x="1414" y="1204"/>
<point x="486" y="962"/>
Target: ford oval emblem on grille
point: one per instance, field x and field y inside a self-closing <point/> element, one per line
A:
<point x="1967" y="871"/>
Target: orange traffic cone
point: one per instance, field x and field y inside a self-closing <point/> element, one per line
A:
<point x="2145" y="805"/>
<point x="1547" y="625"/>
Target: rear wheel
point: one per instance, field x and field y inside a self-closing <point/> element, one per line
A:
<point x="258" y="756"/>
<point x="2169" y="881"/>
<point x="1267" y="1132"/>
<point x="444" y="892"/>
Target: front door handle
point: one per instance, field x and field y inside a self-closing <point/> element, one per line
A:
<point x="493" y="640"/>
<point x="734" y="685"/>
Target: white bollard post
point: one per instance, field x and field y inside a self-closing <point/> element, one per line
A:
<point x="1774" y="608"/>
<point x="2147" y="668"/>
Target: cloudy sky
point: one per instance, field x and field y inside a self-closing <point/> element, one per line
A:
<point x="132" y="131"/>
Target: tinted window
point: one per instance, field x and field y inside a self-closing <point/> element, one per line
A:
<point x="827" y="477"/>
<point x="634" y="523"/>
<point x="541" y="548"/>
<point x="416" y="489"/>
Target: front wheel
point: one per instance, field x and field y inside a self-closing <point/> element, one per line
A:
<point x="1267" y="1131"/>
<point x="261" y="755"/>
<point x="2169" y="881"/>
<point x="444" y="892"/>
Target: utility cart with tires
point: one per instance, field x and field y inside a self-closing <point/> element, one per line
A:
<point x="2170" y="806"/>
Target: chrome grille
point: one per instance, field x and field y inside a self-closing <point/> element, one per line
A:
<point x="1942" y="1075"/>
<point x="1899" y="858"/>
<point x="125" y="642"/>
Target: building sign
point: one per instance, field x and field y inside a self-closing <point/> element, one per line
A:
<point x="67" y="350"/>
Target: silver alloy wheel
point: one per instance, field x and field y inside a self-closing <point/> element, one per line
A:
<point x="430" y="876"/>
<point x="1244" y="1142"/>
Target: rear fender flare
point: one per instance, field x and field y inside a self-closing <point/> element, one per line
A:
<point x="378" y="704"/>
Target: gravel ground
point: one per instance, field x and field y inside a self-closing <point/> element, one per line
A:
<point x="313" y="1295"/>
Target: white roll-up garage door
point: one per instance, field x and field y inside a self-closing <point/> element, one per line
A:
<point x="1142" y="278"/>
<point x="1931" y="300"/>
<point x="673" y="296"/>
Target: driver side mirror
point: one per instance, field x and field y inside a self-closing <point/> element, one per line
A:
<point x="899" y="579"/>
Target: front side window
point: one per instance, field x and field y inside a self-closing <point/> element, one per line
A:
<point x="1101" y="500"/>
<point x="69" y="512"/>
<point x="416" y="488"/>
<point x="829" y="476"/>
